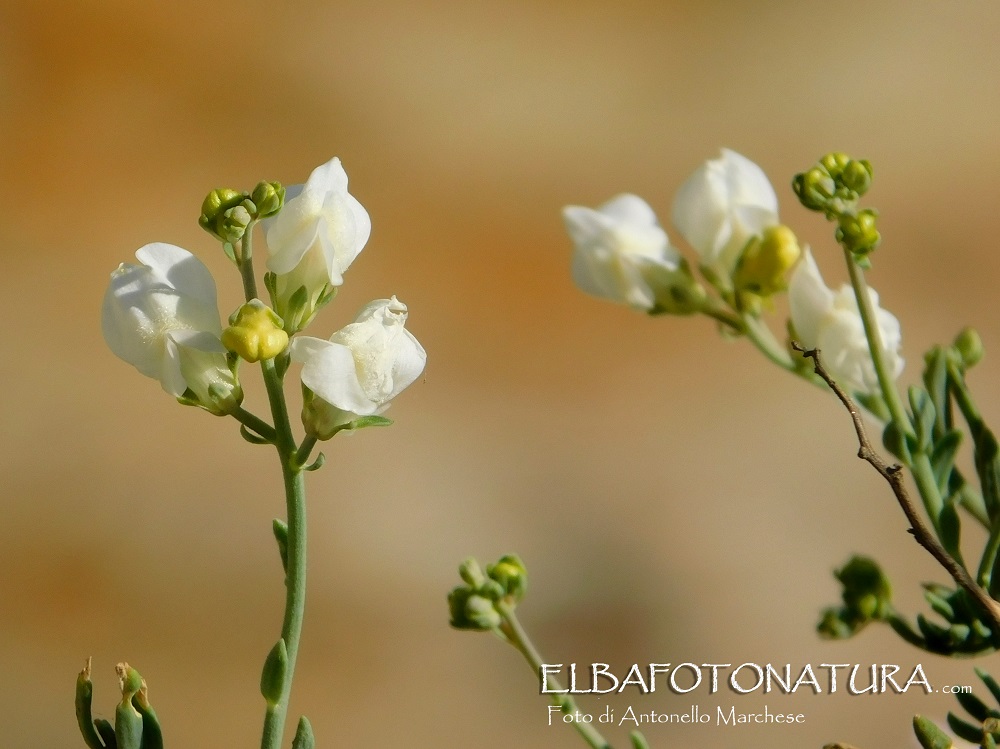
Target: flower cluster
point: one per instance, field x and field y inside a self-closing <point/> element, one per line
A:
<point x="727" y="212"/>
<point x="162" y="316"/>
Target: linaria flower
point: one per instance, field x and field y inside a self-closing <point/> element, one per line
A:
<point x="623" y="254"/>
<point x="314" y="239"/>
<point x="725" y="203"/>
<point x="831" y="322"/>
<point x="360" y="369"/>
<point x="161" y="317"/>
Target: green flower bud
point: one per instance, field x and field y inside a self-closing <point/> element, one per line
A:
<point x="969" y="346"/>
<point x="857" y="176"/>
<point x="763" y="267"/>
<point x="867" y="592"/>
<point x="832" y="627"/>
<point x="216" y="203"/>
<point x="858" y="234"/>
<point x="268" y="197"/>
<point x="472" y="611"/>
<point x="814" y="188"/>
<point x="234" y="222"/>
<point x="472" y="573"/>
<point x="834" y="163"/>
<point x="255" y="332"/>
<point x="510" y="574"/>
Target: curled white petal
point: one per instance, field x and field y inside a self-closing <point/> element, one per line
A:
<point x="831" y="322"/>
<point x="365" y="364"/>
<point x="161" y="317"/>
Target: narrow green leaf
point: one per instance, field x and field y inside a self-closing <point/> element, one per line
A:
<point x="965" y="730"/>
<point x="923" y="416"/>
<point x="280" y="529"/>
<point x="84" y="718"/>
<point x="975" y="706"/>
<point x="943" y="457"/>
<point x="936" y="382"/>
<point x="929" y="735"/>
<point x="950" y="526"/>
<point x="272" y="678"/>
<point x="896" y="443"/>
<point x="152" y="734"/>
<point x="107" y="732"/>
<point x="990" y="683"/>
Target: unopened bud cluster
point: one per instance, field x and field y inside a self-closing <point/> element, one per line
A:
<point x="867" y="597"/>
<point x="833" y="186"/>
<point x="475" y="604"/>
<point x="227" y="213"/>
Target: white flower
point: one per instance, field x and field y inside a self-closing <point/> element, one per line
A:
<point x="622" y="253"/>
<point x="162" y="318"/>
<point x="721" y="206"/>
<point x="830" y="321"/>
<point x="360" y="369"/>
<point x="315" y="237"/>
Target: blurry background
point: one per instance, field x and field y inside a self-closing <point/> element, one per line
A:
<point x="674" y="496"/>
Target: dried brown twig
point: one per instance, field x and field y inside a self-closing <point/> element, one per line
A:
<point x="893" y="474"/>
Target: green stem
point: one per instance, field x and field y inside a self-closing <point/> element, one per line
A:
<point x="516" y="636"/>
<point x="246" y="263"/>
<point x="920" y="465"/>
<point x="885" y="378"/>
<point x="257" y="424"/>
<point x="302" y="455"/>
<point x="762" y="337"/>
<point x="295" y="573"/>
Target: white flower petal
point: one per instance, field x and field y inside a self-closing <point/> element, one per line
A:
<point x="329" y="371"/>
<point x="809" y="300"/>
<point x="721" y="206"/>
<point x="619" y="248"/>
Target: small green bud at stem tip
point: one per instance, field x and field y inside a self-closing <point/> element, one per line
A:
<point x="304" y="735"/>
<point x="970" y="347"/>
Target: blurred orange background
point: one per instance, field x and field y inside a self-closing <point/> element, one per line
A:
<point x="674" y="496"/>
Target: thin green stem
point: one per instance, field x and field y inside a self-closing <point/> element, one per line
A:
<point x="302" y="455"/>
<point x="885" y="378"/>
<point x="257" y="424"/>
<point x="762" y="337"/>
<point x="516" y="636"/>
<point x="295" y="572"/>
<point x="246" y="263"/>
<point x="920" y="465"/>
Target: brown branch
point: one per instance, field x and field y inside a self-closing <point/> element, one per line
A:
<point x="893" y="474"/>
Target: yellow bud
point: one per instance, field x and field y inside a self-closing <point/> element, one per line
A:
<point x="255" y="332"/>
<point x="765" y="262"/>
